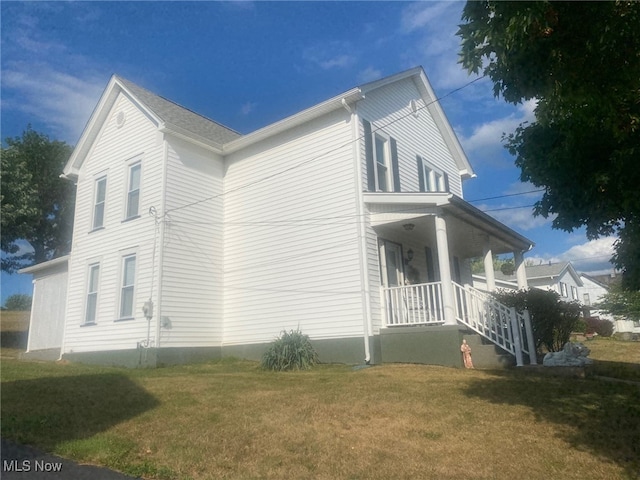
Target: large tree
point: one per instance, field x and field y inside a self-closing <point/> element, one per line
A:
<point x="37" y="205"/>
<point x="581" y="62"/>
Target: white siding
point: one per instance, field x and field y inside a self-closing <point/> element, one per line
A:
<point x="415" y="136"/>
<point x="291" y="237"/>
<point x="48" y="310"/>
<point x="192" y="274"/>
<point x="110" y="153"/>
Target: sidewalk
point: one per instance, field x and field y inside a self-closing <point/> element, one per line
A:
<point x="20" y="462"/>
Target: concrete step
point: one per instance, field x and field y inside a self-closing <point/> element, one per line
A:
<point x="486" y="354"/>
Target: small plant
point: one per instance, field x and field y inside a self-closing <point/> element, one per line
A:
<point x="291" y="351"/>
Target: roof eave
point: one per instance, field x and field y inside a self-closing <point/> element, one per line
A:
<point x="45" y="265"/>
<point x="304" y="116"/>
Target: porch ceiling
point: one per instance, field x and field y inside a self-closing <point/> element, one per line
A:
<point x="467" y="227"/>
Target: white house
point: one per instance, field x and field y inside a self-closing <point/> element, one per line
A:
<point x="346" y="221"/>
<point x="561" y="278"/>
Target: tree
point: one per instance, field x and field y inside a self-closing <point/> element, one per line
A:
<point x="620" y="303"/>
<point x="552" y="320"/>
<point x="18" y="302"/>
<point x="37" y="205"/>
<point x="581" y="62"/>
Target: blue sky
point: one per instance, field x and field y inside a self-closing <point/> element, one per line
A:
<point x="248" y="64"/>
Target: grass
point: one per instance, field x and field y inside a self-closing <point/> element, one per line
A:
<point x="230" y="419"/>
<point x="13" y="334"/>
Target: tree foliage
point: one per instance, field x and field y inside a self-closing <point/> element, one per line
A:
<point x="552" y="320"/>
<point x="18" y="302"/>
<point x="581" y="62"/>
<point x="37" y="205"/>
<point x="620" y="303"/>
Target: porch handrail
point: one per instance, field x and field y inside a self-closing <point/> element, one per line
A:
<point x="419" y="304"/>
<point x="502" y="325"/>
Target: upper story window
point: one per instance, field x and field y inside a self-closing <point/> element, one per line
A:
<point x="586" y="300"/>
<point x="574" y="293"/>
<point x="127" y="289"/>
<point x="133" y="191"/>
<point x="381" y="155"/>
<point x="92" y="294"/>
<point x="430" y="178"/>
<point x="99" y="201"/>
<point x="563" y="289"/>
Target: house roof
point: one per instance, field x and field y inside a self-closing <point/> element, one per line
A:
<point x="175" y="119"/>
<point x="550" y="270"/>
<point x="176" y="115"/>
<point x="45" y="265"/>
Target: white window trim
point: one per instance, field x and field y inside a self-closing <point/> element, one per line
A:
<point x="123" y="256"/>
<point x="563" y="290"/>
<point x="96" y="180"/>
<point x="96" y="292"/>
<point x="387" y="161"/>
<point x="433" y="178"/>
<point x="130" y="164"/>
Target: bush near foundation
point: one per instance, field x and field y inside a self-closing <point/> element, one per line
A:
<point x="291" y="351"/>
<point x="552" y="320"/>
<point x="599" y="326"/>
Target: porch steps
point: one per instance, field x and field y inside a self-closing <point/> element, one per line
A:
<point x="486" y="354"/>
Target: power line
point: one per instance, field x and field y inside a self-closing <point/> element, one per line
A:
<point x="506" y="195"/>
<point x="313" y="159"/>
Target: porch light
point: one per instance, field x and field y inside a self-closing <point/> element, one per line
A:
<point x="408" y="226"/>
<point x="409" y="255"/>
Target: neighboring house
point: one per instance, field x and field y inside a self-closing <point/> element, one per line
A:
<point x="595" y="287"/>
<point x="559" y="277"/>
<point x="346" y="221"/>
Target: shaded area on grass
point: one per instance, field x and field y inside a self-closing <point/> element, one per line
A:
<point x="620" y="370"/>
<point x="600" y="417"/>
<point x="14" y="332"/>
<point x="76" y="407"/>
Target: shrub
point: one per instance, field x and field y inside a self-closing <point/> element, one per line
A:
<point x="18" y="302"/>
<point x="597" y="325"/>
<point x="552" y="320"/>
<point x="291" y="351"/>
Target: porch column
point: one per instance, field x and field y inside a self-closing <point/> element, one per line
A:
<point x="444" y="263"/>
<point x="488" y="266"/>
<point x="521" y="274"/>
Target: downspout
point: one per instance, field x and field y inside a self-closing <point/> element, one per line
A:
<point x="362" y="244"/>
<point x="163" y="209"/>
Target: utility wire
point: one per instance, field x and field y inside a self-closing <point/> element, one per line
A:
<point x="324" y="154"/>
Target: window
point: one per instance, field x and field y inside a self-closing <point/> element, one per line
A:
<point x="563" y="289"/>
<point x="127" y="289"/>
<point x="431" y="180"/>
<point x="574" y="293"/>
<point x="99" y="198"/>
<point x="381" y="154"/>
<point x="587" y="300"/>
<point x="133" y="191"/>
<point x="92" y="294"/>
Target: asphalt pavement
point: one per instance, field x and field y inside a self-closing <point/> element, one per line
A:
<point x="20" y="462"/>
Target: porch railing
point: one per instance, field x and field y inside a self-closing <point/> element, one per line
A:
<point x="414" y="304"/>
<point x="423" y="305"/>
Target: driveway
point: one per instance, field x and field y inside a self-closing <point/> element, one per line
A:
<point x="25" y="463"/>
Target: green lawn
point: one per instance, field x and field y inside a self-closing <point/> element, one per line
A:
<point x="232" y="420"/>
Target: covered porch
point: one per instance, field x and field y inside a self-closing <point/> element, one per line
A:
<point x="425" y="244"/>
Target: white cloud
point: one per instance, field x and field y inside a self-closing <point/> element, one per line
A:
<point x="486" y="138"/>
<point x="369" y="74"/>
<point x="330" y="55"/>
<point x="247" y="108"/>
<point x="61" y="101"/>
<point x="589" y="257"/>
<point x="518" y="218"/>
